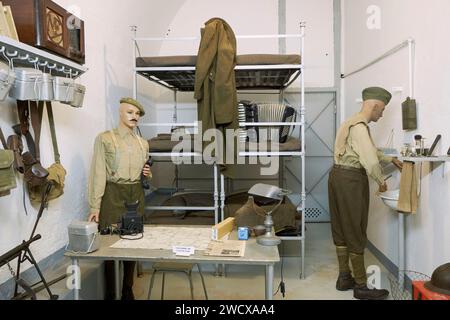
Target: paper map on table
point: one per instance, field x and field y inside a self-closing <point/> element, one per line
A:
<point x="165" y="238"/>
<point x="226" y="248"/>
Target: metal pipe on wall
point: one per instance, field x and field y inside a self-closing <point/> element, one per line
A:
<point x="411" y="50"/>
<point x="134" y="30"/>
<point x="383" y="56"/>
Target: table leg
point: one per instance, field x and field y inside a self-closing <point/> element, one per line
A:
<point x="117" y="278"/>
<point x="77" y="284"/>
<point x="269" y="281"/>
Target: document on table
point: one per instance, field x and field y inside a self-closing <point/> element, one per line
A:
<point x="226" y="248"/>
<point x="165" y="238"/>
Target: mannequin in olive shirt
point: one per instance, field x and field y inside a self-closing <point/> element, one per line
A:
<point x="356" y="158"/>
<point x="118" y="161"/>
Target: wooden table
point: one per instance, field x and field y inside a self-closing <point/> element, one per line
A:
<point x="255" y="254"/>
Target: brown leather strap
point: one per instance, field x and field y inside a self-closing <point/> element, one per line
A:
<point x="36" y="122"/>
<point x="23" y="111"/>
<point x="24" y="114"/>
<point x="2" y="137"/>
<point x="51" y="121"/>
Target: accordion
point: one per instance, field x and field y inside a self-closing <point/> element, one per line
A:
<point x="265" y="112"/>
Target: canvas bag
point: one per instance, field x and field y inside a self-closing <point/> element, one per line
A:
<point x="57" y="173"/>
<point x="7" y="175"/>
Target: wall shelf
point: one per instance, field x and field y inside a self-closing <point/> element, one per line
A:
<point x="25" y="55"/>
<point x="426" y="159"/>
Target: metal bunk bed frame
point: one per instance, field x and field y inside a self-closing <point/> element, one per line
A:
<point x="219" y="199"/>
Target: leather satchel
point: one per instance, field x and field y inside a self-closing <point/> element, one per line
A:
<point x="15" y="144"/>
<point x="34" y="174"/>
<point x="57" y="173"/>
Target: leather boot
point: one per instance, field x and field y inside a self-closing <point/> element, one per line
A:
<point x="362" y="292"/>
<point x="345" y="281"/>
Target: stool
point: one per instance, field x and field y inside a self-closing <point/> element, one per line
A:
<point x="185" y="268"/>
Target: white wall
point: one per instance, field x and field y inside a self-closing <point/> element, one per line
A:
<point x="428" y="236"/>
<point x="261" y="17"/>
<point x="109" y="59"/>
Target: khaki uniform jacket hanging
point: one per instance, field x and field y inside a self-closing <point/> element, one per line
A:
<point x="215" y="82"/>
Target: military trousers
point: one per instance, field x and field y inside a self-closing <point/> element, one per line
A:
<point x="112" y="208"/>
<point x="348" y="194"/>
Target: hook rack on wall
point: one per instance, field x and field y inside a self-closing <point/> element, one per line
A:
<point x="28" y="56"/>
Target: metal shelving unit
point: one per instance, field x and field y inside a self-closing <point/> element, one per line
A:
<point x="181" y="78"/>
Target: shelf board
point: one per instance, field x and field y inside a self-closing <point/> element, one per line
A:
<point x="426" y="159"/>
<point x="26" y="55"/>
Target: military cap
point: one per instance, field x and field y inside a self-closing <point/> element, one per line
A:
<point x="377" y="93"/>
<point x="135" y="103"/>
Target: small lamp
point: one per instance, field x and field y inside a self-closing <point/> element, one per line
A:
<point x="271" y="192"/>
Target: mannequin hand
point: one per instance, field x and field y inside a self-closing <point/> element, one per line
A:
<point x="383" y="188"/>
<point x="146" y="171"/>
<point x="397" y="163"/>
<point x="94" y="216"/>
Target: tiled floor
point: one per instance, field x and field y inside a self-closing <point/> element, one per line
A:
<point x="247" y="282"/>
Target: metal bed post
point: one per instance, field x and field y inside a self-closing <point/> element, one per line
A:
<point x="175" y="110"/>
<point x="281" y="159"/>
<point x="216" y="209"/>
<point x="175" y="120"/>
<point x="139" y="270"/>
<point x="303" y="120"/>
<point x="216" y="195"/>
<point x="134" y="29"/>
<point x="222" y="214"/>
<point x="222" y="197"/>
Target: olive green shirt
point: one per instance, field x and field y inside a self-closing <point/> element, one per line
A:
<point x="119" y="157"/>
<point x="360" y="152"/>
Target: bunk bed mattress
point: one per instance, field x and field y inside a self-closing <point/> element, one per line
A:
<point x="163" y="143"/>
<point x="191" y="61"/>
<point x="256" y="78"/>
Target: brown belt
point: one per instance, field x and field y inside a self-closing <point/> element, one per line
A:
<point x="359" y="170"/>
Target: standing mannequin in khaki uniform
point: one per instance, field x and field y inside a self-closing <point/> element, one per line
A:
<point x="355" y="158"/>
<point x="118" y="161"/>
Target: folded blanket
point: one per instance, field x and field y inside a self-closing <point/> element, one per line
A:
<point x="163" y="143"/>
<point x="246" y="59"/>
